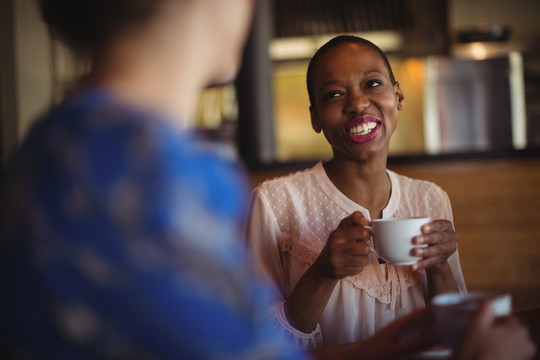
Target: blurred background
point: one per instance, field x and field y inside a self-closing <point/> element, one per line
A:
<point x="470" y="71"/>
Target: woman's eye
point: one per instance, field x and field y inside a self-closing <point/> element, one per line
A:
<point x="331" y="94"/>
<point x="373" y="83"/>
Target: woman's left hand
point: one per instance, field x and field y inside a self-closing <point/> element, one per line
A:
<point x="441" y="241"/>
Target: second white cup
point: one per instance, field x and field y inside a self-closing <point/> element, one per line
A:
<point x="453" y="311"/>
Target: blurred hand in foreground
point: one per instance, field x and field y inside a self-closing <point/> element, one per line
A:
<point x="494" y="338"/>
<point x="401" y="338"/>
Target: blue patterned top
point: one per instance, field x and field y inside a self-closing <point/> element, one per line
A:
<point x="122" y="239"/>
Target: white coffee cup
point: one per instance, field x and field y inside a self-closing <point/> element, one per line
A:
<point x="453" y="310"/>
<point x="392" y="239"/>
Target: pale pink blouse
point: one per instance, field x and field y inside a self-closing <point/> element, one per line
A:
<point x="290" y="221"/>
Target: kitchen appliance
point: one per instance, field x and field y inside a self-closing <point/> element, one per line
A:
<point x="474" y="105"/>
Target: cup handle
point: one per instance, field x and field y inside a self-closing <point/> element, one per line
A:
<point x="371" y="247"/>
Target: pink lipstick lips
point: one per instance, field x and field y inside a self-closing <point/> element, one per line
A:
<point x="363" y="128"/>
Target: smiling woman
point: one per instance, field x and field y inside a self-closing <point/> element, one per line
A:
<point x="308" y="229"/>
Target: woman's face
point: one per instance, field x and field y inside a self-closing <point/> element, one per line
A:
<point x="355" y="103"/>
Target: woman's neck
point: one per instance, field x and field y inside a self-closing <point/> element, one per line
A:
<point x="365" y="183"/>
<point x="145" y="84"/>
<point x="153" y="69"/>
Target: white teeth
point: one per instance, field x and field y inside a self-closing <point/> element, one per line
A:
<point x="363" y="129"/>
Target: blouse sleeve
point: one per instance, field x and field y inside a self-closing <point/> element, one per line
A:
<point x="263" y="243"/>
<point x="300" y="340"/>
<point x="453" y="260"/>
<point x="263" y="236"/>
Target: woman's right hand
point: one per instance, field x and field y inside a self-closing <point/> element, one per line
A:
<point x="347" y="249"/>
<point x="345" y="253"/>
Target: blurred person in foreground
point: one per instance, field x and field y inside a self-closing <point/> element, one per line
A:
<point x="120" y="229"/>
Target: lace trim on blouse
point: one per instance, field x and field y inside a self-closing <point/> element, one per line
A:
<point x="372" y="279"/>
<point x="302" y="341"/>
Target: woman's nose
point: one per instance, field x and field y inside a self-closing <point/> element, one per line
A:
<point x="357" y="102"/>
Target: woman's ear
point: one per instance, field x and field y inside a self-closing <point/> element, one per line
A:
<point x="400" y="96"/>
<point x="314" y="122"/>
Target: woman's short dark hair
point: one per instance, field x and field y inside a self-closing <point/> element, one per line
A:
<point x="338" y="40"/>
<point x="86" y="24"/>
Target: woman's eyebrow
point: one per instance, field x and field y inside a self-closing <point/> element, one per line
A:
<point x="369" y="72"/>
<point x="329" y="82"/>
<point x="337" y="82"/>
